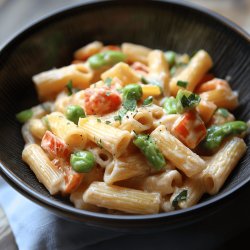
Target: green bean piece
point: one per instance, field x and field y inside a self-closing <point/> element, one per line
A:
<point x="186" y="100"/>
<point x="82" y="161"/>
<point x="216" y="134"/>
<point x="170" y="56"/>
<point x="74" y="112"/>
<point x="170" y="105"/>
<point x="148" y="147"/>
<point x="132" y="92"/>
<point x="106" y="58"/>
<point x="24" y="115"/>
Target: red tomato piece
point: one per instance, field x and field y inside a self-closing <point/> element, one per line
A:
<point x="54" y="146"/>
<point x="100" y="101"/>
<point x="189" y="129"/>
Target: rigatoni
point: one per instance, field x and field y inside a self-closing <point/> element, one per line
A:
<point x="74" y="136"/>
<point x="50" y="83"/>
<point x="223" y="163"/>
<point x="45" y="171"/>
<point x="193" y="73"/>
<point x="135" y="53"/>
<point x="122" y="199"/>
<point x="126" y="167"/>
<point x="158" y="69"/>
<point x="112" y="139"/>
<point x="176" y="152"/>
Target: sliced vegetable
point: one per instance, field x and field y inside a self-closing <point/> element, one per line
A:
<point x="186" y="100"/>
<point x="106" y="58"/>
<point x="97" y="102"/>
<point x="54" y="146"/>
<point x="170" y="105"/>
<point x="132" y="91"/>
<point x="190" y="129"/>
<point x="150" y="150"/>
<point x="216" y="134"/>
<point x="74" y="112"/>
<point x="24" y="115"/>
<point x="82" y="161"/>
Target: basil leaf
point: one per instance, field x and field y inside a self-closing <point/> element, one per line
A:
<point x="182" y="84"/>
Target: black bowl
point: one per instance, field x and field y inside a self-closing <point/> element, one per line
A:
<point x="164" y="25"/>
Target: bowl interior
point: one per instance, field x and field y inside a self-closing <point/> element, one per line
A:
<point x="166" y="26"/>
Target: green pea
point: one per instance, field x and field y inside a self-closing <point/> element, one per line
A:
<point x="132" y="92"/>
<point x="74" y="112"/>
<point x="82" y="161"/>
<point x="150" y="150"/>
<point x="216" y="134"/>
<point x="170" y="56"/>
<point x="24" y="115"/>
<point x="106" y="58"/>
<point x="170" y="105"/>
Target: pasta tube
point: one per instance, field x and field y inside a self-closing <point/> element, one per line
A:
<point x="50" y="83"/>
<point x="112" y="139"/>
<point x="176" y="152"/>
<point x="123" y="199"/>
<point x="223" y="163"/>
<point x="193" y="73"/>
<point x="135" y="53"/>
<point x="164" y="183"/>
<point x="74" y="136"/>
<point x="158" y="69"/>
<point x="45" y="171"/>
<point x="123" y="72"/>
<point x="125" y="168"/>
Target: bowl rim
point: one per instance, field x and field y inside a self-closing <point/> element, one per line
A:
<point x="21" y="186"/>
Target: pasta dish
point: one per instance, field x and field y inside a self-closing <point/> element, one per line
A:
<point x="133" y="130"/>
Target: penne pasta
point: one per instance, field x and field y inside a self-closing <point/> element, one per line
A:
<point x="74" y="136"/>
<point x="112" y="139"/>
<point x="45" y="171"/>
<point x="51" y="82"/>
<point x="126" y="167"/>
<point x="122" y="199"/>
<point x="176" y="152"/>
<point x="222" y="164"/>
<point x="135" y="53"/>
<point x="193" y="73"/>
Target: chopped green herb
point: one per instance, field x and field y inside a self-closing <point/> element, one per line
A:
<point x="182" y="84"/>
<point x="129" y="104"/>
<point x="69" y="87"/>
<point x="148" y="101"/>
<point x="108" y="81"/>
<point x="170" y="105"/>
<point x="99" y="120"/>
<point x="182" y="196"/>
<point x="186" y="100"/>
<point x="223" y="112"/>
<point x="144" y="80"/>
<point x="24" y="115"/>
<point x="107" y="122"/>
<point x="118" y="118"/>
